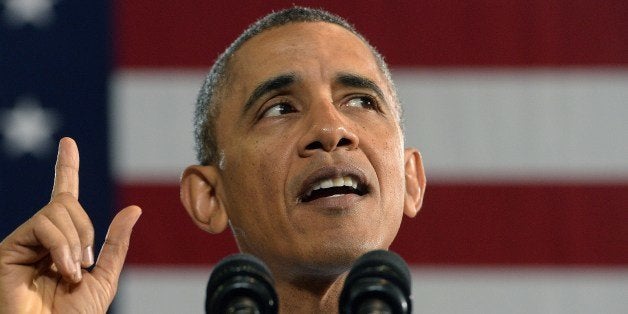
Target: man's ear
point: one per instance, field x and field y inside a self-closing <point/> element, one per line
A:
<point x="200" y="197"/>
<point x="415" y="182"/>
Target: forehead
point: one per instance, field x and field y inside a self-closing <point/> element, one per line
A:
<point x="317" y="50"/>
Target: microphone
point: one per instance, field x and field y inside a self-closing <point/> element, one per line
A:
<point x="242" y="284"/>
<point x="379" y="282"/>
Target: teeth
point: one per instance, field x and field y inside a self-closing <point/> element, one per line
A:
<point x="350" y="182"/>
<point x="327" y="183"/>
<point x="335" y="182"/>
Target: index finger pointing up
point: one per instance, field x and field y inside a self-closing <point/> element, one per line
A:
<point x="66" y="168"/>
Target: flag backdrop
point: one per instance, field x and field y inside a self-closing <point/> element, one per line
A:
<point x="55" y="59"/>
<point x="520" y="109"/>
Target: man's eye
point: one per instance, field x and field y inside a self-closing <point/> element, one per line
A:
<point x="279" y="109"/>
<point x="363" y="102"/>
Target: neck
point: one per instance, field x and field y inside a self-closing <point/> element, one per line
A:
<point x="309" y="295"/>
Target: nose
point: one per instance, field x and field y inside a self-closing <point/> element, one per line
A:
<point x="327" y="131"/>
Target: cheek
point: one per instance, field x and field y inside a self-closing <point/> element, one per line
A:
<point x="256" y="175"/>
<point x="389" y="163"/>
<point x="392" y="181"/>
<point x="275" y="156"/>
<point x="255" y="193"/>
<point x="392" y="185"/>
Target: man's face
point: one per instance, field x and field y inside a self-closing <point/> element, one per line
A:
<point x="312" y="162"/>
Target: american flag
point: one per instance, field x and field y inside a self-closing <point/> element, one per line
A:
<point x="519" y="109"/>
<point x="55" y="61"/>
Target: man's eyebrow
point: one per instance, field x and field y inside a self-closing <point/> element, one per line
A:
<point x="358" y="81"/>
<point x="269" y="85"/>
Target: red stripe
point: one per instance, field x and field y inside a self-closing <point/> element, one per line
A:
<point x="459" y="225"/>
<point x="164" y="33"/>
<point x="165" y="234"/>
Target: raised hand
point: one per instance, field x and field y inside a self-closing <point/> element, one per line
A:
<point x="42" y="262"/>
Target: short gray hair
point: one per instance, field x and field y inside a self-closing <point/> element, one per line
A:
<point x="207" y="103"/>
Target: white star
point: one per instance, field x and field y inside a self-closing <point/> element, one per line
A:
<point x="28" y="128"/>
<point x="35" y="12"/>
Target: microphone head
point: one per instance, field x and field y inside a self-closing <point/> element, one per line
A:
<point x="377" y="275"/>
<point x="241" y="276"/>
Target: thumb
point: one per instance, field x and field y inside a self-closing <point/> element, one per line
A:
<point x="113" y="252"/>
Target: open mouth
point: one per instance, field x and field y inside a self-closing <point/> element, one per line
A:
<point x="333" y="187"/>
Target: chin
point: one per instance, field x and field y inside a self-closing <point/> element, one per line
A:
<point x="336" y="257"/>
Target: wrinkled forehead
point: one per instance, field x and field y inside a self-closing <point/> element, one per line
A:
<point x="297" y="46"/>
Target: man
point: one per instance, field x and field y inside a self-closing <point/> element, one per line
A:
<point x="301" y="154"/>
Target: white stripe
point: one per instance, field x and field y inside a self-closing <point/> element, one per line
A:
<point x="518" y="124"/>
<point x="435" y="290"/>
<point x="151" y="125"/>
<point x="469" y="124"/>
